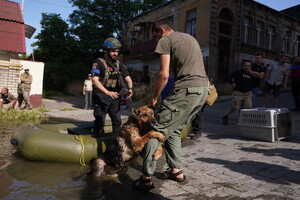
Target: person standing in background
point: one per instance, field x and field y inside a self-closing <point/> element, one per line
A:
<point x="87" y="92"/>
<point x="258" y="71"/>
<point x="295" y="82"/>
<point x="277" y="76"/>
<point x="25" y="87"/>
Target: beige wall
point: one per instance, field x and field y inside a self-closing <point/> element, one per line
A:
<point x="208" y="36"/>
<point x="36" y="69"/>
<point x="202" y="21"/>
<point x="10" y="77"/>
<point x="159" y="13"/>
<point x="282" y="23"/>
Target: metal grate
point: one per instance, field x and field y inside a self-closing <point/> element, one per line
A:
<point x="254" y="118"/>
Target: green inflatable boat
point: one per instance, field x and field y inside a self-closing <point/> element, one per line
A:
<point x="68" y="142"/>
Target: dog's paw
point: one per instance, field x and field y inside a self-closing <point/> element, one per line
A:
<point x="160" y="137"/>
<point x="97" y="168"/>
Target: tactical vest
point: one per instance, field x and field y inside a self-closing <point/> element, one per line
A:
<point x="110" y="79"/>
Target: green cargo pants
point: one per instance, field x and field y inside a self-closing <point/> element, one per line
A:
<point x="176" y="111"/>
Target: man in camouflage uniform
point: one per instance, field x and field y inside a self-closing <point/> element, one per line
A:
<point x="108" y="75"/>
<point x="25" y="87"/>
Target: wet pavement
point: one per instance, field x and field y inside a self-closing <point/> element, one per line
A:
<point x="220" y="165"/>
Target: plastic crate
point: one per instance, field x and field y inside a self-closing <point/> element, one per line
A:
<point x="266" y="124"/>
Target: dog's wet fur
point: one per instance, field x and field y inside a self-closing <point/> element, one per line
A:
<point x="133" y="136"/>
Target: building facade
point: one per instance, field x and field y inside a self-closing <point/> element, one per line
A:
<point x="228" y="31"/>
<point x="12" y="43"/>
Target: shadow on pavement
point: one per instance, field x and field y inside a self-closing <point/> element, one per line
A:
<point x="121" y="189"/>
<point x="291" y="154"/>
<point x="259" y="170"/>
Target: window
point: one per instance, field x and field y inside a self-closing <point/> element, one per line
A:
<point x="298" y="45"/>
<point x="225" y="22"/>
<point x="191" y="22"/>
<point x="226" y="15"/>
<point x="271" y="37"/>
<point x="287" y="42"/>
<point x="260" y="26"/>
<point x="133" y="38"/>
<point x="225" y="28"/>
<point x="246" y="31"/>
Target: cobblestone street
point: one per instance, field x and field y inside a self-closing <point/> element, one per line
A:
<point x="223" y="165"/>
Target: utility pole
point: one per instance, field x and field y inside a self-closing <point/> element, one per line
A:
<point x="22" y="7"/>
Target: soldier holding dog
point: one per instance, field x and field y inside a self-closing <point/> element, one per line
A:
<point x="179" y="53"/>
<point x="108" y="75"/>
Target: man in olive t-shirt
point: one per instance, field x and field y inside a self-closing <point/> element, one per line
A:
<point x="179" y="53"/>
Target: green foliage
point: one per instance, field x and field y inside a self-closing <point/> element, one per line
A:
<point x="68" y="51"/>
<point x="23" y="57"/>
<point x="58" y="75"/>
<point x="94" y="21"/>
<point x="141" y="97"/>
<point x="54" y="42"/>
<point x="25" y="115"/>
<point x="149" y="4"/>
<point x="58" y="49"/>
<point x="67" y="109"/>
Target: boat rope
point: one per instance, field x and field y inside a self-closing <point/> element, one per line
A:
<point x="80" y="139"/>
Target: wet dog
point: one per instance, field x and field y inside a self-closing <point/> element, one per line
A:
<point x="134" y="134"/>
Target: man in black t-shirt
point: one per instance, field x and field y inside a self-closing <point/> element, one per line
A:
<point x="258" y="71"/>
<point x="242" y="83"/>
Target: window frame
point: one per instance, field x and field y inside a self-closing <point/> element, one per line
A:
<point x="246" y="29"/>
<point x="190" y="22"/>
<point x="260" y="33"/>
<point x="297" y="53"/>
<point x="287" y="42"/>
<point x="271" y="37"/>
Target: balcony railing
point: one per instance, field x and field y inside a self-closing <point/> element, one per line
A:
<point x="143" y="47"/>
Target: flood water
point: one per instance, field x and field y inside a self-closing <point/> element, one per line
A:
<point x="21" y="179"/>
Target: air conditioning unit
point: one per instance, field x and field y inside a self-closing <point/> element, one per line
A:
<point x="265" y="124"/>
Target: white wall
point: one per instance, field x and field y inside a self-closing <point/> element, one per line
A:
<point x="36" y="69"/>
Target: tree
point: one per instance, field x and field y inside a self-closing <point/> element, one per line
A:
<point x="58" y="49"/>
<point x="95" y="20"/>
<point x="68" y="51"/>
<point x="149" y="4"/>
<point x="54" y="42"/>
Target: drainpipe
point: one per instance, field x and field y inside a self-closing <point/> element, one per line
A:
<point x="240" y="36"/>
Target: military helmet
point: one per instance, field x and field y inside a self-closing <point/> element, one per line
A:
<point x="111" y="43"/>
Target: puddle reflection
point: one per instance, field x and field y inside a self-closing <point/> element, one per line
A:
<point x="24" y="179"/>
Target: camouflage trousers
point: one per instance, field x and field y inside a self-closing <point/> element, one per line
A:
<point x="26" y="97"/>
<point x="175" y="112"/>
